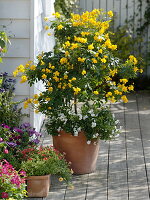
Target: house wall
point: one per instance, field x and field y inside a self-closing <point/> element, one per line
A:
<point x="23" y="22"/>
<point x="124" y="10"/>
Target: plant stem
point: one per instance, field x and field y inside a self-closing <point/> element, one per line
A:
<point x="75" y="104"/>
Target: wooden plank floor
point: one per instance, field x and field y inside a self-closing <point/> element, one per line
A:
<point x="123" y="167"/>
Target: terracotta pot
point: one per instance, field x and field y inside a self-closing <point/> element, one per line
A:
<point x="38" y="186"/>
<point x="83" y="156"/>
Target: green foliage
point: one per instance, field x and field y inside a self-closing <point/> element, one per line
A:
<point x="10" y="114"/>
<point x="3" y="44"/>
<point x="45" y="161"/>
<point x="65" y="7"/>
<point x="95" y="122"/>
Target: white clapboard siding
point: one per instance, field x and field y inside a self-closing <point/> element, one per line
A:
<point x="19" y="48"/>
<point x="124" y="10"/>
<point x="10" y="64"/>
<point x="23" y="22"/>
<point x="14" y="9"/>
<point x="16" y="28"/>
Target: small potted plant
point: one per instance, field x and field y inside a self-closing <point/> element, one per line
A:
<point x="39" y="164"/>
<point x="12" y="183"/>
<point x="80" y="77"/>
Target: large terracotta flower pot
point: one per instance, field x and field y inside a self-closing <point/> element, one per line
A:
<point x="38" y="186"/>
<point x="83" y="156"/>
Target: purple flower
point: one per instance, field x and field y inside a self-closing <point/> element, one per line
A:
<point x="11" y="144"/>
<point x="18" y="130"/>
<point x="25" y="125"/>
<point x="36" y="141"/>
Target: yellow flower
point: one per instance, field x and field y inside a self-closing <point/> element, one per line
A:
<point x="81" y="59"/>
<point x="141" y="70"/>
<point x="103" y="60"/>
<point x="65" y="76"/>
<point x="109" y="94"/>
<point x="45" y="18"/>
<point x="35" y="101"/>
<point x="33" y="67"/>
<point x="74" y="46"/>
<point x="56" y="73"/>
<point x="15" y="73"/>
<point x="49" y="34"/>
<point x="85" y="33"/>
<point x="42" y="63"/>
<point x="133" y="59"/>
<point x="135" y="69"/>
<point x="76" y="90"/>
<point x="130" y="87"/>
<point x="67" y="44"/>
<point x="44" y="76"/>
<point x="67" y="53"/>
<point x="124" y="88"/>
<point x="100" y="51"/>
<point x="124" y="80"/>
<point x="96" y="55"/>
<point x="74" y="79"/>
<point x="49" y="108"/>
<point x="23" y="79"/>
<point x="56" y="14"/>
<point x="117" y="92"/>
<point x="94" y="60"/>
<point x="95" y="92"/>
<point x="56" y="78"/>
<point x="83" y="72"/>
<point x="90" y="47"/>
<point x="113" y="47"/>
<point x="50" y="89"/>
<point x="36" y="111"/>
<point x="113" y="72"/>
<point x="21" y="68"/>
<point x="36" y="96"/>
<point x="25" y="105"/>
<point x="43" y="70"/>
<point x="110" y="13"/>
<point x="61" y="179"/>
<point x="48" y="70"/>
<point x="59" y="27"/>
<point x="63" y="60"/>
<point x="124" y="99"/>
<point x="49" y="84"/>
<point x="48" y="99"/>
<point x="46" y="27"/>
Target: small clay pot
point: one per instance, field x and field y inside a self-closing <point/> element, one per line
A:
<point x="38" y="186"/>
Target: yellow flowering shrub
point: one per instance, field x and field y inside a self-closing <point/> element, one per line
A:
<point x="83" y="69"/>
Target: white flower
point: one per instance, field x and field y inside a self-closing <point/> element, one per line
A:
<point x="75" y="133"/>
<point x="88" y="142"/>
<point x="93" y="124"/>
<point x="117" y="122"/>
<point x="85" y="117"/>
<point x="79" y="129"/>
<point x="91" y="111"/>
<point x="59" y="129"/>
<point x="93" y="114"/>
<point x="80" y="116"/>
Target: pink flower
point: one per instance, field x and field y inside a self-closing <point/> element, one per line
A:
<point x="4" y="195"/>
<point x="6" y="151"/>
<point x="1" y="139"/>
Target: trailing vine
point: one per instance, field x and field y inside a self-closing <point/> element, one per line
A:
<point x="66" y="7"/>
<point x="3" y="44"/>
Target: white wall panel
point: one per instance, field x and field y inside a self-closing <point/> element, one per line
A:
<point x="19" y="48"/>
<point x="15" y="9"/>
<point x="16" y="28"/>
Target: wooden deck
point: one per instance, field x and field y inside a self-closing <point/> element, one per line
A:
<point x="123" y="167"/>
